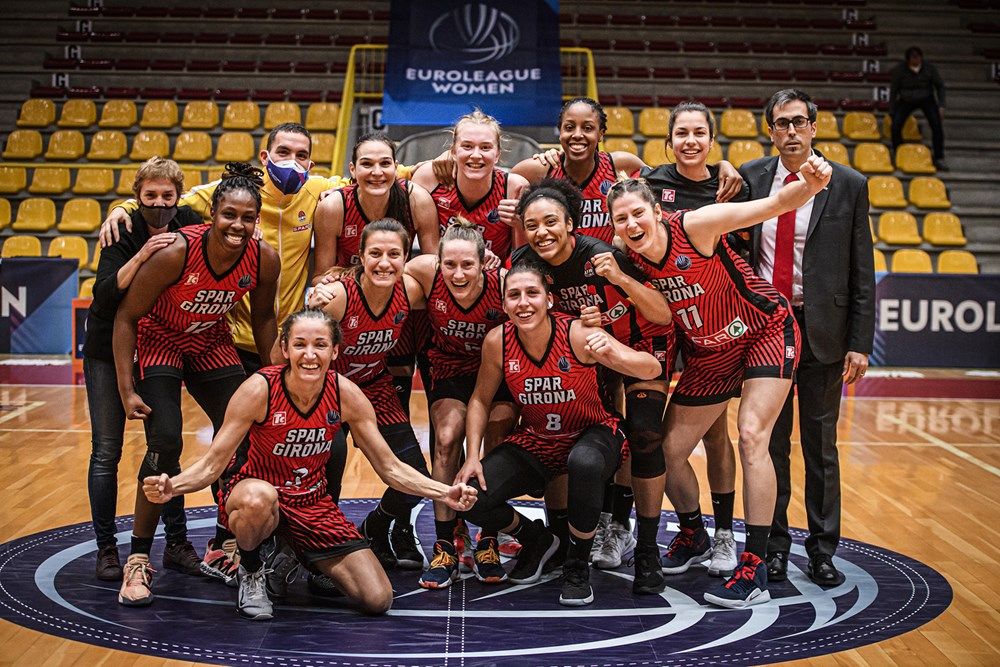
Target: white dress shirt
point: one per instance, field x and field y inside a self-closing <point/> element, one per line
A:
<point x="769" y="230"/>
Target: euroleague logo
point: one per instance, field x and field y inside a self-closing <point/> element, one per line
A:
<point x="47" y="584"/>
<point x="475" y="33"/>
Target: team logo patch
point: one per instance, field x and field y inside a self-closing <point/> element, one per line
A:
<point x="350" y="231"/>
<point x="736" y="328"/>
<point x="660" y="355"/>
<point x="279" y="419"/>
<point x="588" y="269"/>
<point x="605" y="186"/>
<point x="352" y="322"/>
<point x="439" y="304"/>
<point x="514" y="365"/>
<point x="616" y="312"/>
<point x="493" y="314"/>
<point x="563" y="364"/>
<point x="302" y="217"/>
<point x="493" y="216"/>
<point x="443" y="203"/>
<point x="244" y="282"/>
<point x="398" y="317"/>
<point x="332" y="417"/>
<point x="641" y="394"/>
<point x="192" y="279"/>
<point x="668" y="195"/>
<point x="789" y="352"/>
<point x="474" y="33"/>
<point x="683" y="263"/>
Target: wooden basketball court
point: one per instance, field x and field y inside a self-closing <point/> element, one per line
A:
<point x="921" y="476"/>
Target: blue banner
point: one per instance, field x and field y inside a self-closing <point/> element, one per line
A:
<point x="447" y="57"/>
<point x="36" y="301"/>
<point x="937" y="320"/>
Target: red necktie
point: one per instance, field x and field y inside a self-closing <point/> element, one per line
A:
<point x="784" y="249"/>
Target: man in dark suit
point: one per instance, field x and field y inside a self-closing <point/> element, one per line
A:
<point x="820" y="257"/>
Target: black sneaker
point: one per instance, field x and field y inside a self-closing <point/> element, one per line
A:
<point x="380" y="545"/>
<point x="109" y="567"/>
<point x="687" y="548"/>
<point x="404" y="545"/>
<point x="533" y="556"/>
<point x="576" y="590"/>
<point x="182" y="557"/>
<point x="648" y="576"/>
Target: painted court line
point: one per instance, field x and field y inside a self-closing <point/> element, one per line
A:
<point x="943" y="445"/>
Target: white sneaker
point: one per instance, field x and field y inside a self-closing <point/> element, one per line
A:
<point x="723" y="560"/>
<point x="599" y="534"/>
<point x="253" y="602"/>
<point x="618" y="541"/>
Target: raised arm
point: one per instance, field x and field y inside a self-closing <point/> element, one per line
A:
<point x="424" y="176"/>
<point x="618" y="270"/>
<point x="425" y="219"/>
<point x="627" y="162"/>
<point x="263" y="321"/>
<point x="478" y="413"/>
<point x="596" y="345"/>
<point x="531" y="169"/>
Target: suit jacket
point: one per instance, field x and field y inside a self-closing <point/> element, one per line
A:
<point x="838" y="273"/>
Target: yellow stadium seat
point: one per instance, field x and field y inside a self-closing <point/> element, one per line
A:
<point x="78" y="113"/>
<point x="12" y="179"/>
<point x="23" y="145"/>
<point x="943" y="229"/>
<point x="107" y="145"/>
<point x="96" y="259"/>
<point x="118" y="114"/>
<point x="861" y="126"/>
<point x="834" y="151"/>
<point x="915" y="159"/>
<point x="36" y="214"/>
<point x="618" y="144"/>
<point x="80" y="216"/>
<point x="654" y="121"/>
<point x="149" y="143"/>
<point x="200" y="115"/>
<point x="322" y="117"/>
<point x="743" y="151"/>
<point x="654" y="153"/>
<point x="87" y="288"/>
<point x="928" y="192"/>
<point x="192" y="178"/>
<point x="886" y="192"/>
<point x="235" y="147"/>
<point x="21" y="246"/>
<point x="714" y="154"/>
<point x="957" y="261"/>
<point x="911" y="261"/>
<point x="65" y="145"/>
<point x="880" y="264"/>
<point x="322" y="147"/>
<point x="620" y="122"/>
<point x="898" y="228"/>
<point x="870" y="158"/>
<point x="826" y="127"/>
<point x="911" y="131"/>
<point x="871" y="227"/>
<point x="193" y="147"/>
<point x="49" y="181"/>
<point x="738" y="124"/>
<point x="214" y="174"/>
<point x="126" y="178"/>
<point x="281" y="112"/>
<point x="159" y="114"/>
<point x="241" y="116"/>
<point x="765" y="129"/>
<point x="325" y="172"/>
<point x="69" y="247"/>
<point x="93" y="181"/>
<point x="4" y="213"/>
<point x="37" y="113"/>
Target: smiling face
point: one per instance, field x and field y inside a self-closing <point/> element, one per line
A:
<point x="636" y="222"/>
<point x="460" y="267"/>
<point x="289" y="146"/>
<point x="382" y="258"/>
<point x="476" y="150"/>
<point x="525" y="300"/>
<point x="580" y="132"/>
<point x="235" y="218"/>
<point x="309" y="348"/>
<point x="794" y="144"/>
<point x="691" y="139"/>
<point x="374" y="167"/>
<point x="548" y="230"/>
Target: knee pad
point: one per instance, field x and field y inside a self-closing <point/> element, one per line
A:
<point x="155" y="463"/>
<point x="644" y="411"/>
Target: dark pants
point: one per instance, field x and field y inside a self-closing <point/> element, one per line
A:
<point x="819" y="388"/>
<point x="107" y="426"/>
<point x="903" y="110"/>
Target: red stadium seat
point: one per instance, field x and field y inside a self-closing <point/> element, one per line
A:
<point x="664" y="46"/>
<point x="288" y="13"/>
<point x="308" y="95"/>
<point x="84" y="92"/>
<point x="204" y="65"/>
<point x="633" y="72"/>
<point x="847" y="76"/>
<point x="246" y="38"/>
<point x="232" y="94"/>
<point x="698" y="46"/>
<point x="255" y="13"/>
<point x="312" y="67"/>
<point x="704" y="73"/>
<point x="281" y="39"/>
<point x="239" y="66"/>
<point x="109" y="36"/>
<point x="218" y="13"/>
<point x="177" y="37"/>
<point x="733" y="74"/>
<point x="725" y="21"/>
<point x="315" y="40"/>
<point x="693" y="21"/>
<point x="659" y="20"/>
<point x="767" y="47"/>
<point x="637" y="100"/>
<point x="628" y="45"/>
<point x="152" y="11"/>
<point x="668" y="73"/>
<point x="132" y="64"/>
<point x="592" y="19"/>
<point x="801" y="48"/>
<point x="270" y="94"/>
<point x="811" y="75"/>
<point x="280" y="66"/>
<point x="758" y="22"/>
<point x="857" y="105"/>
<point x="836" y="49"/>
<point x="158" y="93"/>
<point x="121" y="92"/>
<point x="195" y="93"/>
<point x="733" y="47"/>
<point x="60" y="63"/>
<point x="90" y="64"/>
<point x="626" y="19"/>
<point x="775" y="74"/>
<point x="353" y="15"/>
<point x="163" y="65"/>
<point x="142" y="37"/>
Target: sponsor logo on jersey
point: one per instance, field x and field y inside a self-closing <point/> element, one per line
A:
<point x="660" y="355"/>
<point x="640" y="395"/>
<point x="444" y="203"/>
<point x="736" y="328"/>
<point x="398" y="317"/>
<point x="683" y="263"/>
<point x="789" y="352"/>
<point x="350" y="231"/>
<point x="302" y="217"/>
<point x="192" y="279"/>
<point x="493" y="216"/>
<point x="605" y="186"/>
<point x="332" y="417"/>
<point x="441" y="305"/>
<point x="563" y="364"/>
<point x="279" y="419"/>
<point x="493" y="314"/>
<point x="514" y="365"/>
<point x="668" y="195"/>
<point x="352" y="323"/>
<point x="733" y="330"/>
<point x="301" y="228"/>
<point x="244" y="282"/>
<point x="616" y="312"/>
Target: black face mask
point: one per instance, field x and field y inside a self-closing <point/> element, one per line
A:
<point x="158" y="217"/>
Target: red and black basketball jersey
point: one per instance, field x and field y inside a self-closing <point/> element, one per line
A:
<point x="559" y="395"/>
<point x="715" y="300"/>
<point x="458" y="333"/>
<point x="595" y="221"/>
<point x="200" y="298"/>
<point x="289" y="448"/>
<point x="368" y="336"/>
<point x="355" y="219"/>
<point x="497" y="234"/>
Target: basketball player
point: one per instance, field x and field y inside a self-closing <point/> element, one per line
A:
<point x="173" y="322"/>
<point x="291" y="413"/>
<point x="738" y="334"/>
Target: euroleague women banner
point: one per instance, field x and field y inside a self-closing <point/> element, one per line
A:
<point x="446" y="57"/>
<point x="36" y="300"/>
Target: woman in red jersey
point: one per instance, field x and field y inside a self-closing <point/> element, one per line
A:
<point x="172" y="322"/>
<point x="481" y="192"/>
<point x="738" y="335"/>
<point x="463" y="304"/>
<point x="292" y="413"/>
<point x="549" y="362"/>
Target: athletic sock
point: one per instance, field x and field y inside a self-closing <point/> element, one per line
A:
<point x="722" y="508"/>
<point x="756" y="543"/>
<point x="609" y="497"/>
<point x="445" y="530"/>
<point x="648" y="527"/>
<point x="250" y="559"/>
<point x="579" y="547"/>
<point x="621" y="506"/>
<point x="221" y="535"/>
<point x="691" y="520"/>
<point x="558" y="520"/>
<point x="142" y="545"/>
<point x="378" y="521"/>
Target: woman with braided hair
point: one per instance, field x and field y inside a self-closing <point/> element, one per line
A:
<point x="172" y="322"/>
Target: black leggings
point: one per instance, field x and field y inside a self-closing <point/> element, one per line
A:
<point x="403" y="443"/>
<point x="511" y="471"/>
